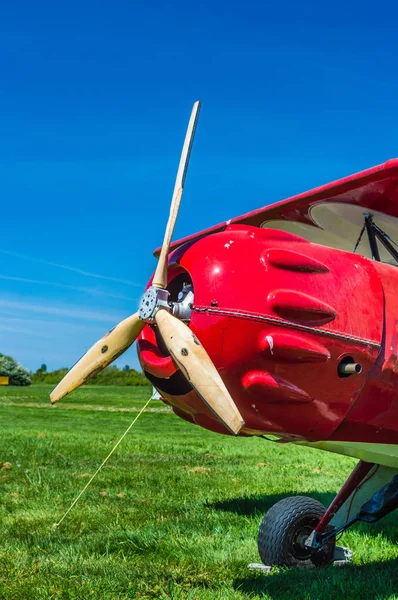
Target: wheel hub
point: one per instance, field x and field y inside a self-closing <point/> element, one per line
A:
<point x="300" y="550"/>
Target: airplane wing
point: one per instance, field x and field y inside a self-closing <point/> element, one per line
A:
<point x="332" y="214"/>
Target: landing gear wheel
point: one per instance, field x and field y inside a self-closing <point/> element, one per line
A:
<point x="284" y="530"/>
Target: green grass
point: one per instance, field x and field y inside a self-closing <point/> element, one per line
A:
<point x="173" y="515"/>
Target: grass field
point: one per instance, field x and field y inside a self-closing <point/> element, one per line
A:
<point x="174" y="514"/>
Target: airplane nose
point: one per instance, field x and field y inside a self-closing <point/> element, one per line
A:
<point x="277" y="315"/>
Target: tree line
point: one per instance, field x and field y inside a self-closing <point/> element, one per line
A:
<point x="112" y="375"/>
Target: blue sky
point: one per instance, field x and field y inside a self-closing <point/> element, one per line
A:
<point x="94" y="102"/>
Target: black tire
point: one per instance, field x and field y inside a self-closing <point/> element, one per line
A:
<point x="285" y="527"/>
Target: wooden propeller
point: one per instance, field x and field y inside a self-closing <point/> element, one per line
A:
<point x="185" y="349"/>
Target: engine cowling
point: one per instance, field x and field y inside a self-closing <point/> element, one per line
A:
<point x="278" y="315"/>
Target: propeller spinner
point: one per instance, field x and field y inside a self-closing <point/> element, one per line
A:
<point x="185" y="349"/>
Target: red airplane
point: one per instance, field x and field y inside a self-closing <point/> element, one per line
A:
<point x="294" y="306"/>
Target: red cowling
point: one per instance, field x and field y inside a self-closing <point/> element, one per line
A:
<point x="277" y="315"/>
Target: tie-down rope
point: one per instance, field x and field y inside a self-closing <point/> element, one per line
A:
<point x="103" y="463"/>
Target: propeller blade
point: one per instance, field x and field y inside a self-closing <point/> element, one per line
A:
<point x="194" y="362"/>
<point x="160" y="277"/>
<point x="105" y="351"/>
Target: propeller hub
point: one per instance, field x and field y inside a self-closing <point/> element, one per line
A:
<point x="153" y="299"/>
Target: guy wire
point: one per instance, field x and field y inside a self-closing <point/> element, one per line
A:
<point x="103" y="463"/>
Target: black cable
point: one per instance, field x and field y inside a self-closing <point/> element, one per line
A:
<point x="359" y="239"/>
<point x="386" y="235"/>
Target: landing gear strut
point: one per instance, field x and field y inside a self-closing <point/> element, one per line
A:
<point x="300" y="532"/>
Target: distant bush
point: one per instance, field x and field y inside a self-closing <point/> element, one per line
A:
<point x="17" y="374"/>
<point x="44" y="376"/>
<point x="114" y="376"/>
<point x="109" y="376"/>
